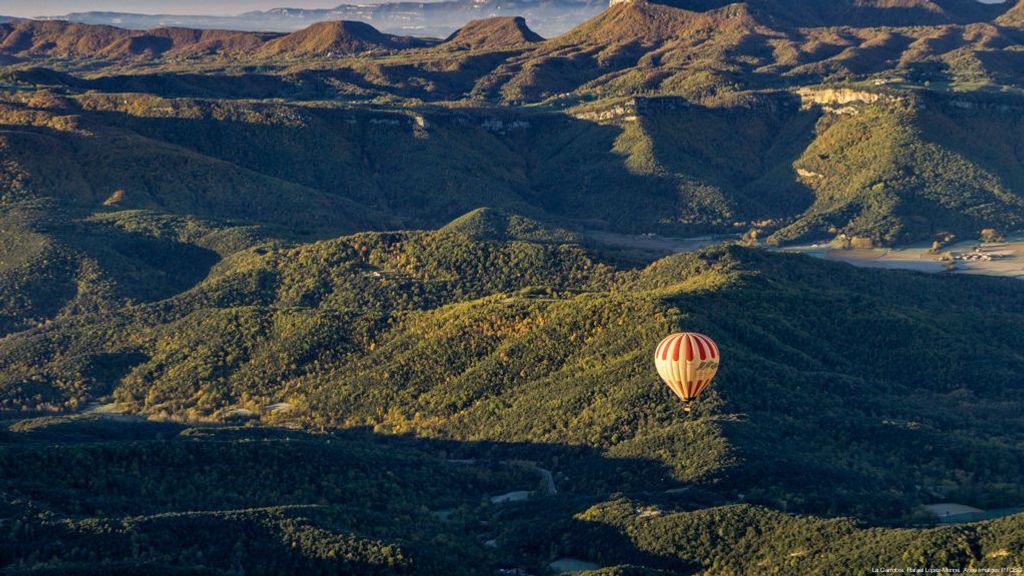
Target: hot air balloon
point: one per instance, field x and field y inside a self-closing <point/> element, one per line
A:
<point x="687" y="362"/>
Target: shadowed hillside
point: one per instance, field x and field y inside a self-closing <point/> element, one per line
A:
<point x="881" y="165"/>
<point x="357" y="502"/>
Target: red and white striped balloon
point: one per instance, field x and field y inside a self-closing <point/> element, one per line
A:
<point x="687" y="362"/>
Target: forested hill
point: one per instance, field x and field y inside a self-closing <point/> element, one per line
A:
<point x="497" y="339"/>
<point x="884" y="166"/>
<point x="500" y="328"/>
<point x="212" y="501"/>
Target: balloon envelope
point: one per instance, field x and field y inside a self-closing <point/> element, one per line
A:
<point x="687" y="362"/>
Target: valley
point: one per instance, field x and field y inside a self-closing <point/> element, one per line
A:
<point x="990" y="259"/>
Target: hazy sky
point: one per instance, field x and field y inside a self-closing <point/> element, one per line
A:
<point x="58" y="7"/>
<point x="222" y="7"/>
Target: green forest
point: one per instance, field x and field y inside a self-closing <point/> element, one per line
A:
<point x="499" y="339"/>
<point x="87" y="495"/>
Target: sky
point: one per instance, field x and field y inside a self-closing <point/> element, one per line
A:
<point x="28" y="8"/>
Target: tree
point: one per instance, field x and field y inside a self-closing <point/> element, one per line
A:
<point x="991" y="235"/>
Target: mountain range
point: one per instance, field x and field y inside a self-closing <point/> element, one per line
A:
<point x="857" y="131"/>
<point x="428" y="19"/>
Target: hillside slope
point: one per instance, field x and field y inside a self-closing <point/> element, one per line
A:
<point x="1014" y="16"/>
<point x="887" y="166"/>
<point x="491" y="33"/>
<point x="33" y="38"/>
<point x="59" y="39"/>
<point x="525" y="336"/>
<point x="258" y="499"/>
<point x="656" y="48"/>
<point x="862" y="13"/>
<point x="335" y="38"/>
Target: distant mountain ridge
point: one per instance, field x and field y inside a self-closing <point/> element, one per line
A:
<point x="428" y="19"/>
<point x="64" y="39"/>
<point x="552" y="17"/>
<point x="858" y="13"/>
<point x="51" y="38"/>
<point x="34" y="38"/>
